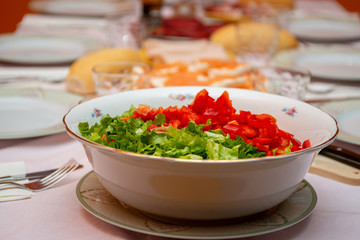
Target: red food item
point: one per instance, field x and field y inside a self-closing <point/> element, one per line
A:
<point x="185" y="27"/>
<point x="260" y="130"/>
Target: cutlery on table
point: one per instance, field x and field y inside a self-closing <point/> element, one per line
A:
<point x="342" y="152"/>
<point x="47" y="79"/>
<point x="45" y="182"/>
<point x="30" y="176"/>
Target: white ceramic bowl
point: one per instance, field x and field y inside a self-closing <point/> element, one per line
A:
<point x="203" y="190"/>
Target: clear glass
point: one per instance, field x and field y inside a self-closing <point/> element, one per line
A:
<point x="289" y="82"/>
<point x="114" y="77"/>
<point x="126" y="28"/>
<point x="258" y="44"/>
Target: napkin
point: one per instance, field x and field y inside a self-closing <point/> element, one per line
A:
<point x="13" y="168"/>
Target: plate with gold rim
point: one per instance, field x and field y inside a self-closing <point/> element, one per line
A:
<point x="97" y="201"/>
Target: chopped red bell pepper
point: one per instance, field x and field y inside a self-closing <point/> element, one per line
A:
<point x="260" y="130"/>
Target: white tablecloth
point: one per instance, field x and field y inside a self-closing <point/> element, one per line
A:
<point x="56" y="213"/>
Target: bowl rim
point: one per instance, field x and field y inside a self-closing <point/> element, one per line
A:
<point x="203" y="161"/>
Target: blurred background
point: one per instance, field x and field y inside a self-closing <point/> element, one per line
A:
<point x="11" y="12"/>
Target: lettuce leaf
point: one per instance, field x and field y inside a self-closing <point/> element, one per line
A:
<point x="190" y="142"/>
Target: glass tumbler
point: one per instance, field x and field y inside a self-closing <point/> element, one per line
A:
<point x="114" y="77"/>
<point x="286" y="81"/>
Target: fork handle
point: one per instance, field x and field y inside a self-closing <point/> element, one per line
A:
<point x="15" y="185"/>
<point x="11" y="179"/>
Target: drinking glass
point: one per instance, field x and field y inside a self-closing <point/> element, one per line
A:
<point x="258" y="45"/>
<point x="286" y="81"/>
<point x="114" y="77"/>
<point x="126" y="28"/>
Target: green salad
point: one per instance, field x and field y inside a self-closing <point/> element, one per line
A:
<point x="191" y="142"/>
<point x="205" y="129"/>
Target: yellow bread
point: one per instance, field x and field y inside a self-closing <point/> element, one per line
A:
<point x="79" y="79"/>
<point x="234" y="36"/>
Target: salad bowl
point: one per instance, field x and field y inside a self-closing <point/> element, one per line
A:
<point x="193" y="189"/>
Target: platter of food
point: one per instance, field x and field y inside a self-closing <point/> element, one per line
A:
<point x="205" y="72"/>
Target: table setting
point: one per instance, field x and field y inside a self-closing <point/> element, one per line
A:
<point x="100" y="102"/>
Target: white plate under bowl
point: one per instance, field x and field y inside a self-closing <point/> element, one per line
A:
<point x="331" y="62"/>
<point x="347" y="113"/>
<point x="97" y="201"/>
<point x="33" y="112"/>
<point x="31" y="49"/>
<point x="87" y="8"/>
<point x="325" y="29"/>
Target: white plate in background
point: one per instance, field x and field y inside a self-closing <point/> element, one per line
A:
<point x="328" y="62"/>
<point x="33" y="112"/>
<point x="29" y="49"/>
<point x="325" y="29"/>
<point x="347" y="114"/>
<point x="88" y="8"/>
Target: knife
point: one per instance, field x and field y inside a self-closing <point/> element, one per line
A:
<point x="347" y="149"/>
<point x="31" y="176"/>
<point x="342" y="155"/>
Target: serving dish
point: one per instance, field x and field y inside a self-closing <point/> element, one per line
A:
<point x="203" y="189"/>
<point x="98" y="202"/>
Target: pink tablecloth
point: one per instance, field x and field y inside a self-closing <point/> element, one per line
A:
<point x="56" y="213"/>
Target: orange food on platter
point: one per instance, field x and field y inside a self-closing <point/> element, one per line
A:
<point x="204" y="72"/>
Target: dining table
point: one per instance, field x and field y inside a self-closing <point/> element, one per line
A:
<point x="58" y="213"/>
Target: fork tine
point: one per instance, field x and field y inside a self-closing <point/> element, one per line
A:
<point x="63" y="170"/>
<point x="59" y="170"/>
<point x="56" y="178"/>
<point x="60" y="175"/>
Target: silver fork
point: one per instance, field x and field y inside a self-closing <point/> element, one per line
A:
<point x="45" y="182"/>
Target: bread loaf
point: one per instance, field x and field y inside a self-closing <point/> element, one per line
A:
<point x="234" y="37"/>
